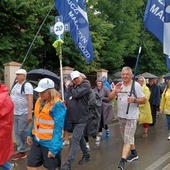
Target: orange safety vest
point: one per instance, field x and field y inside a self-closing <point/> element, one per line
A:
<point x="43" y="122"/>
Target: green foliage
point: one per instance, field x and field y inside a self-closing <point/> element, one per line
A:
<point x="115" y="25"/>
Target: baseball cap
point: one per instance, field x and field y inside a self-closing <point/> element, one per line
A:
<point x="44" y="84"/>
<point x="74" y="74"/>
<point x="21" y="71"/>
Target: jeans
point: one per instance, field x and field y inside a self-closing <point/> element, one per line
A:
<point x="20" y="129"/>
<point x="168" y="121"/>
<point x="77" y="140"/>
<point x="6" y="166"/>
<point x="153" y="111"/>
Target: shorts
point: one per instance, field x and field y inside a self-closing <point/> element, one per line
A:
<point x="127" y="130"/>
<point x="38" y="157"/>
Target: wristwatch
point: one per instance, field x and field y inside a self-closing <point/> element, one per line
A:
<point x="135" y="100"/>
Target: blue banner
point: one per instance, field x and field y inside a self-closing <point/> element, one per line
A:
<point x="154" y="18"/>
<point x="166" y="39"/>
<point x="154" y="21"/>
<point x="74" y="13"/>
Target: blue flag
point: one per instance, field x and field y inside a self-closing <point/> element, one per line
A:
<point x="166" y="38"/>
<point x="154" y="22"/>
<point x="154" y="18"/>
<point x="74" y="13"/>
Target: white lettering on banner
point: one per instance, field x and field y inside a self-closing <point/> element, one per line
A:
<point x="74" y="19"/>
<point x="72" y="14"/>
<point x="82" y="37"/>
<point x="84" y="51"/>
<point x="155" y="10"/>
<point x="73" y="6"/>
<point x="161" y="2"/>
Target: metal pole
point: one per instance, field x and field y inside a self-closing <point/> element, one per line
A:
<point x="136" y="66"/>
<point x="61" y="73"/>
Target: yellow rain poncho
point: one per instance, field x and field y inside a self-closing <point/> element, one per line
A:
<point x="145" y="115"/>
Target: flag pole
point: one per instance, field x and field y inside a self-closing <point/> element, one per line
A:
<point x="29" y="49"/>
<point x="136" y="66"/>
<point x="58" y="47"/>
<point x="32" y="43"/>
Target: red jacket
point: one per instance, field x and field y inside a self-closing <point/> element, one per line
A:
<point x="6" y="125"/>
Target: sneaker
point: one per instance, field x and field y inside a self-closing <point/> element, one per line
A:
<point x="88" y="148"/>
<point x="14" y="166"/>
<point x="84" y="159"/>
<point x="66" y="143"/>
<point x="66" y="166"/>
<point x="107" y="133"/>
<point x="121" y="166"/>
<point x="18" y="156"/>
<point x="168" y="138"/>
<point x="132" y="157"/>
<point x="98" y="140"/>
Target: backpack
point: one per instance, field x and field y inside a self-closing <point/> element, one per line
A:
<point x="22" y="87"/>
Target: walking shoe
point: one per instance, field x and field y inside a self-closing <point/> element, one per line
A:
<point x="107" y="133"/>
<point x="88" y="148"/>
<point x="168" y="138"/>
<point x="84" y="159"/>
<point x="66" y="166"/>
<point x="121" y="166"/>
<point x="18" y="156"/>
<point x="66" y="143"/>
<point x="132" y="157"/>
<point x="14" y="166"/>
<point x="98" y="139"/>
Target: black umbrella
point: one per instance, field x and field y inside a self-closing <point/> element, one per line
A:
<point x="117" y="74"/>
<point x="146" y="75"/>
<point x="167" y="76"/>
<point x="37" y="74"/>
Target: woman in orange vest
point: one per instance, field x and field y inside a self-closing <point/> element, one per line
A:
<point x="45" y="134"/>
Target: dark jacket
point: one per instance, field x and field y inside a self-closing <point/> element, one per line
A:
<point x="93" y="122"/>
<point x="155" y="95"/>
<point x="77" y="103"/>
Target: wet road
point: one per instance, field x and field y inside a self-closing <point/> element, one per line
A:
<point x="154" y="151"/>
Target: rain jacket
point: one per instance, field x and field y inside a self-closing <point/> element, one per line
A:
<point x="165" y="101"/>
<point x="105" y="104"/>
<point x="106" y="83"/>
<point x="77" y="104"/>
<point x="145" y="115"/>
<point x="48" y="125"/>
<point x="6" y="124"/>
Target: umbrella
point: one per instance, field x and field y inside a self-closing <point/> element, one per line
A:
<point x="37" y="74"/>
<point x="166" y="76"/>
<point x="146" y="75"/>
<point x="117" y="74"/>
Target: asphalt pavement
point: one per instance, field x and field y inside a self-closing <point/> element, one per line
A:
<point x="153" y="151"/>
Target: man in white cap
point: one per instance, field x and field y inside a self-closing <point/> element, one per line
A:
<point x="77" y="106"/>
<point x="22" y="97"/>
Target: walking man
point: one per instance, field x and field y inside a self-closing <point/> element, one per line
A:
<point x="127" y="117"/>
<point x="22" y="97"/>
<point x="78" y="108"/>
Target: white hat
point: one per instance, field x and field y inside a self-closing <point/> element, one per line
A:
<point x="74" y="74"/>
<point x="21" y="71"/>
<point x="44" y="84"/>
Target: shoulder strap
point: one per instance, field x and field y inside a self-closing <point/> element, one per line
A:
<point x="23" y="87"/>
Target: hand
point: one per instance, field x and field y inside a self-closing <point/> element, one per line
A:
<point x="29" y="117"/>
<point x="29" y="140"/>
<point x="50" y="155"/>
<point x="118" y="87"/>
<point x="130" y="99"/>
<point x="112" y="85"/>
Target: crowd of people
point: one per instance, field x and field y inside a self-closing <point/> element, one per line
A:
<point x="84" y="112"/>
